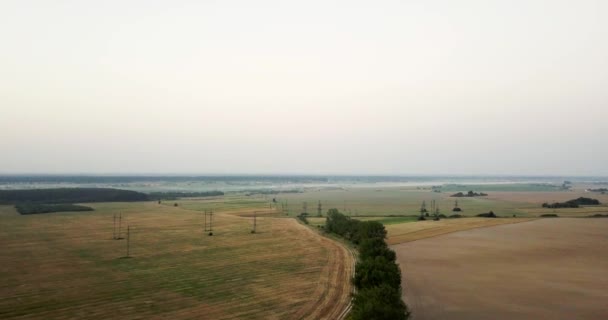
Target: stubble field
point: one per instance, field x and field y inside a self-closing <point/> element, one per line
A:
<point x="66" y="265"/>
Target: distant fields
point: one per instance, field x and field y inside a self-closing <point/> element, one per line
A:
<point x="406" y="201"/>
<point x="66" y="265"/>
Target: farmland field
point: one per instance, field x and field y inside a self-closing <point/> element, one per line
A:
<point x="542" y="269"/>
<point x="406" y="201"/>
<point x="66" y="265"/>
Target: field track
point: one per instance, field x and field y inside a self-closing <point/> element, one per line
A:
<point x="334" y="288"/>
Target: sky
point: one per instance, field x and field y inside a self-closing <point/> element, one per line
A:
<point x="417" y="87"/>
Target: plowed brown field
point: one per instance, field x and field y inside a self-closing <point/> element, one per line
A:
<point x="542" y="269"/>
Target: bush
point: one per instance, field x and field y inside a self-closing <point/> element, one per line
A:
<point x="456" y="209"/>
<point x="302" y="217"/>
<point x="487" y="215"/>
<point x="549" y="215"/>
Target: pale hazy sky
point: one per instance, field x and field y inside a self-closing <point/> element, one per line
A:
<point x="342" y="87"/>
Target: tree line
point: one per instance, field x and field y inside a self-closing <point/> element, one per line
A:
<point x="377" y="275"/>
<point x="35" y="208"/>
<point x="177" y="195"/>
<point x="575" y="203"/>
<point x="70" y="195"/>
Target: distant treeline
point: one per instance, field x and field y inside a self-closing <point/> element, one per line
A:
<point x="469" y="194"/>
<point x="177" y="195"/>
<point x="70" y="195"/>
<point x="271" y="191"/>
<point x="572" y="203"/>
<point x="377" y="276"/>
<point x="34" y="208"/>
<point x="602" y="190"/>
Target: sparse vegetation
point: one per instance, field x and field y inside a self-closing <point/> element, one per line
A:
<point x="469" y="194"/>
<point x="599" y="215"/>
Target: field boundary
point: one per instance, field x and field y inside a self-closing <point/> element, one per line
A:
<point x="464" y="229"/>
<point x="343" y="291"/>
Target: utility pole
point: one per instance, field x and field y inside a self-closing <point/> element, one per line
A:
<point x="209" y="222"/>
<point x="319" y="209"/>
<point x="422" y="210"/>
<point x="119" y="226"/>
<point x="254" y="221"/>
<point x="114" y="228"/>
<point x="128" y="240"/>
<point x="305" y="208"/>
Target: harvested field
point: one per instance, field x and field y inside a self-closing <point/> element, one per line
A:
<point x="542" y="269"/>
<point x="66" y="265"/>
<point x="406" y="232"/>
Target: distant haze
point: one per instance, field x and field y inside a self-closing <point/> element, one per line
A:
<point x="308" y="87"/>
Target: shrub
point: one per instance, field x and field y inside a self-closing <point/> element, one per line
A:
<point x="549" y="215"/>
<point x="302" y="217"/>
<point x="487" y="215"/>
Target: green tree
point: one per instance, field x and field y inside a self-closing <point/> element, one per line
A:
<point x="379" y="303"/>
<point x="375" y="247"/>
<point x="373" y="272"/>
